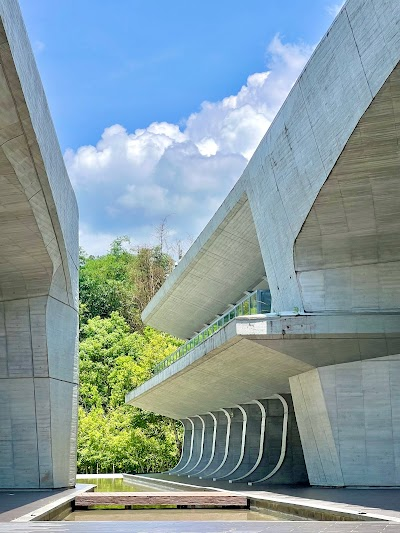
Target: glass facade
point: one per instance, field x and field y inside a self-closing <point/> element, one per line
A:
<point x="256" y="303"/>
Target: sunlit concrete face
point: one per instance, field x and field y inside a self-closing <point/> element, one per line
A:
<point x="323" y="195"/>
<point x="38" y="278"/>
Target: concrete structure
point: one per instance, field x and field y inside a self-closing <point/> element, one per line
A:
<point x="38" y="278"/>
<point x="315" y="218"/>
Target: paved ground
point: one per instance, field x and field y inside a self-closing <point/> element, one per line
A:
<point x="17" y="503"/>
<point x="324" y="503"/>
<point x="201" y="527"/>
<point x="382" y="498"/>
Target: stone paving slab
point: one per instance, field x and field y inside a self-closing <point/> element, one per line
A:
<point x="202" y="527"/>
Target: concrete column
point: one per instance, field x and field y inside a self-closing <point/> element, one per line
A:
<point x="348" y="416"/>
<point x="38" y="394"/>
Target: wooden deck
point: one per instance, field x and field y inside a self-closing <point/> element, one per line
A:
<point x="198" y="499"/>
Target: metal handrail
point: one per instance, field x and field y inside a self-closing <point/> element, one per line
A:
<point x="257" y="302"/>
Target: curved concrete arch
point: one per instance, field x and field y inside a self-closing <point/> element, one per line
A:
<point x="261" y="444"/>
<point x="213" y="444"/>
<point x="201" y="451"/>
<point x="181" y="458"/>
<point x="188" y="447"/>
<point x="221" y="443"/>
<point x="242" y="445"/>
<point x="226" y="445"/>
<point x="283" y="442"/>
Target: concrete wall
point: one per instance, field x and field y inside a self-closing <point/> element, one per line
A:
<point x="347" y="254"/>
<point x="38" y="278"/>
<point x="348" y="417"/>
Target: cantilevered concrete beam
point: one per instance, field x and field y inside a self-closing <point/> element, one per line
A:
<point x="254" y="357"/>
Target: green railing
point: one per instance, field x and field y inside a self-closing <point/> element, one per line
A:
<point x="256" y="303"/>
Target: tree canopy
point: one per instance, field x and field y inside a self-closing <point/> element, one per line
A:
<point x="117" y="353"/>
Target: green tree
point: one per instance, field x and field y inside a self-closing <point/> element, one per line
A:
<point x="112" y="435"/>
<point x="117" y="353"/>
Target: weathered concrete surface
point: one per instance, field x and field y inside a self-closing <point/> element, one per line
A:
<point x="38" y="278"/>
<point x="347" y="253"/>
<point x="348" y="417"/>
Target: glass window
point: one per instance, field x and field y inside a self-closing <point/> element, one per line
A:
<point x="265" y="301"/>
<point x="246" y="307"/>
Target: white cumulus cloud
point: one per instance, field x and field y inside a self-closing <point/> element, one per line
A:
<point x="128" y="182"/>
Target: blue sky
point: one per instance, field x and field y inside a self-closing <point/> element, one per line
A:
<point x="159" y="105"/>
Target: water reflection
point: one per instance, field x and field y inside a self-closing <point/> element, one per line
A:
<point x="166" y="515"/>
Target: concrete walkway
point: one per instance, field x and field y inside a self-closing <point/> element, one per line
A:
<point x="202" y="527"/>
<point x="15" y="504"/>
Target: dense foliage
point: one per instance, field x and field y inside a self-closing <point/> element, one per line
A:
<point x="117" y="354"/>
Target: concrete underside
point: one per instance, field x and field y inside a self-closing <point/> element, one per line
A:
<point x="254" y="357"/>
<point x="38" y="278"/>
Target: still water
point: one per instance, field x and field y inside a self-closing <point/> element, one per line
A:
<point x="166" y="515"/>
<point x="160" y="514"/>
<point x="116" y="485"/>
